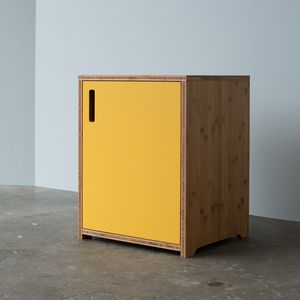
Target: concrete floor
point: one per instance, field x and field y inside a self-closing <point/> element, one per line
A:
<point x="41" y="258"/>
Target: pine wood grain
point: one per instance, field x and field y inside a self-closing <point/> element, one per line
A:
<point x="217" y="166"/>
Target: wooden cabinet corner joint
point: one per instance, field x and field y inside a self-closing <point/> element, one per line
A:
<point x="164" y="160"/>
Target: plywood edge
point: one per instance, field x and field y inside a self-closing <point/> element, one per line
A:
<point x="79" y="212"/>
<point x="246" y="233"/>
<point x="134" y="77"/>
<point x="163" y="77"/>
<point x="217" y="77"/>
<point x="183" y="170"/>
<point x="130" y="239"/>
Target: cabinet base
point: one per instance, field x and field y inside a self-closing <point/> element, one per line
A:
<point x="189" y="251"/>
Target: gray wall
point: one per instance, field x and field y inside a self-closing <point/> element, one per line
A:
<point x="17" y="43"/>
<point x="260" y="38"/>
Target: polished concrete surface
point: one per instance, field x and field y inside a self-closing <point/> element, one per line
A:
<point x="41" y="258"/>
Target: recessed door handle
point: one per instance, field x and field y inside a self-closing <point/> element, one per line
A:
<point x="92" y="106"/>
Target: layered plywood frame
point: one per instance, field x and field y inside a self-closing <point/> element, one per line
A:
<point x="214" y="162"/>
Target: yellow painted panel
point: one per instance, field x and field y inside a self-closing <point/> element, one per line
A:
<point x="131" y="159"/>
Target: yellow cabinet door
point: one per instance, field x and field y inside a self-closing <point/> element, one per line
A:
<point x="131" y="159"/>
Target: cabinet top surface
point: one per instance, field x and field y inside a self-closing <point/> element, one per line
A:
<point x="163" y="77"/>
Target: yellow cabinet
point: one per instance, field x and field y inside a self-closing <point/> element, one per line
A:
<point x="137" y="183"/>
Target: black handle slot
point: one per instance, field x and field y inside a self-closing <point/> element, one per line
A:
<point x="92" y="106"/>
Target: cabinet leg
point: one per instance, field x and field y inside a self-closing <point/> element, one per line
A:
<point x="241" y="236"/>
<point x="82" y="236"/>
<point x="86" y="237"/>
<point x="189" y="252"/>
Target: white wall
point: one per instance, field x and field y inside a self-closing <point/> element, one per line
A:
<point x="17" y="43"/>
<point x="260" y="38"/>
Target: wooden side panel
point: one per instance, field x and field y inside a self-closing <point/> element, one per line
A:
<point x="217" y="154"/>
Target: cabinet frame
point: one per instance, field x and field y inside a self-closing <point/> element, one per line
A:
<point x="188" y="245"/>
